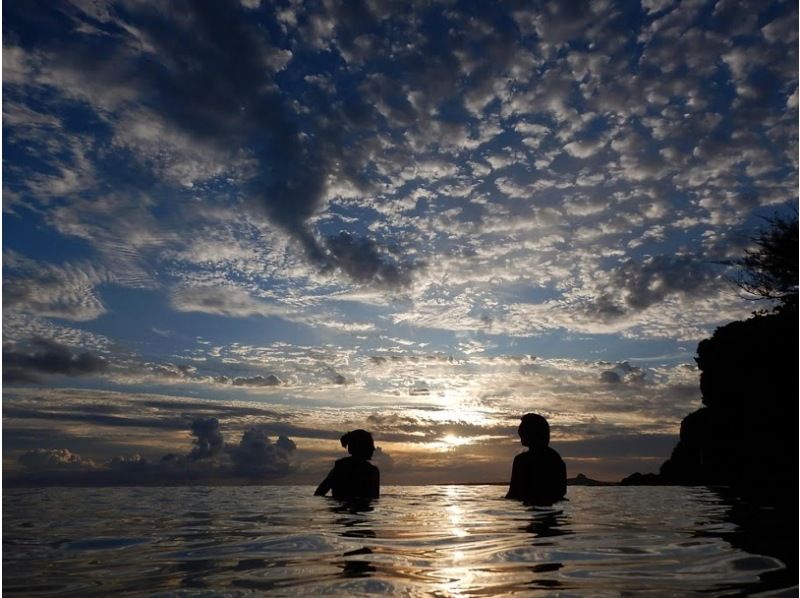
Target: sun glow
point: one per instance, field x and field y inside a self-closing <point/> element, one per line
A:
<point x="453" y="440"/>
<point x="449" y="442"/>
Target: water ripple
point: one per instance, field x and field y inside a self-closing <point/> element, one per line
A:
<point x="419" y="541"/>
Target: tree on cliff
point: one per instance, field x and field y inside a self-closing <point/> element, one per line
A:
<point x="770" y="270"/>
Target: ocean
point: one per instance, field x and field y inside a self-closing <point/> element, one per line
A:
<point x="413" y="541"/>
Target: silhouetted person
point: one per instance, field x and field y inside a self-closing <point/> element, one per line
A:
<point x="354" y="476"/>
<point x="539" y="475"/>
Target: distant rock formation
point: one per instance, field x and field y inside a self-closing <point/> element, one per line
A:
<point x="582" y="480"/>
<point x="746" y="435"/>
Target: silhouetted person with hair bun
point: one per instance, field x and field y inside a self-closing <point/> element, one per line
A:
<point x="354" y="476"/>
<point x="539" y="475"/>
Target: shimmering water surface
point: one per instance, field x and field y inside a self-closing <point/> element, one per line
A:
<point x="432" y="540"/>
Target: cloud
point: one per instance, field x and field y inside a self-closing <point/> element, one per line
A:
<point x="257" y="454"/>
<point x="184" y="119"/>
<point x="43" y="356"/>
<point x="641" y="284"/>
<point x="256" y="457"/>
<point x="625" y="372"/>
<point x="610" y="377"/>
<point x="49" y="460"/>
<point x="224" y="301"/>
<point x="364" y="261"/>
<point x="65" y="291"/>
<point x="270" y="380"/>
<point x="208" y="438"/>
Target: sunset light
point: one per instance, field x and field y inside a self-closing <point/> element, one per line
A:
<point x="268" y="264"/>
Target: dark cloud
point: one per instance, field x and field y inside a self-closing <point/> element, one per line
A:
<point x="624" y="372"/>
<point x="212" y="81"/>
<point x="70" y="413"/>
<point x="364" y="261"/>
<point x="221" y="408"/>
<point x="43" y="356"/>
<point x="270" y="380"/>
<point x="636" y="285"/>
<point x="208" y="438"/>
<point x="610" y="377"/>
<point x="647" y="282"/>
<point x="128" y="464"/>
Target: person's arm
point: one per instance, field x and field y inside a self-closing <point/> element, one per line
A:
<point x="326" y="484"/>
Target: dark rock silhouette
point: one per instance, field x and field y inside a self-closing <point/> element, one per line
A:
<point x="746" y="435"/>
<point x="353" y="477"/>
<point x="642" y="479"/>
<point x="538" y="475"/>
<point x="582" y="480"/>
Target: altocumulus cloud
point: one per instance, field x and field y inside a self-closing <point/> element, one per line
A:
<point x="183" y="118"/>
<point x="424" y="132"/>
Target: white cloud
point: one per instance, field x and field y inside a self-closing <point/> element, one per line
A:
<point x="67" y="291"/>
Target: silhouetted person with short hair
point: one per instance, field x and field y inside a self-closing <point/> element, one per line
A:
<point x="354" y="476"/>
<point x="539" y="475"/>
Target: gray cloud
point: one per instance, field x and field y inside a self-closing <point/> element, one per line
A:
<point x="364" y="261"/>
<point x="624" y="372"/>
<point x="224" y="301"/>
<point x="208" y="438"/>
<point x="270" y="380"/>
<point x="610" y="377"/>
<point x="644" y="283"/>
<point x="257" y="454"/>
<point x="43" y="356"/>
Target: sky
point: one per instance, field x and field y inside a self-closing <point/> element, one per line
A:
<point x="233" y="231"/>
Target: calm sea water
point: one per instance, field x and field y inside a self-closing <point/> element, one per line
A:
<point x="414" y="541"/>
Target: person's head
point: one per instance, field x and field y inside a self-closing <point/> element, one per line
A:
<point x="359" y="443"/>
<point x="534" y="431"/>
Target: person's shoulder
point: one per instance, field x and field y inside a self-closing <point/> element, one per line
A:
<point x="553" y="453"/>
<point x="343" y="462"/>
<point x="523" y="456"/>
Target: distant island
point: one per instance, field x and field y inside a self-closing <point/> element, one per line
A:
<point x="582" y="480"/>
